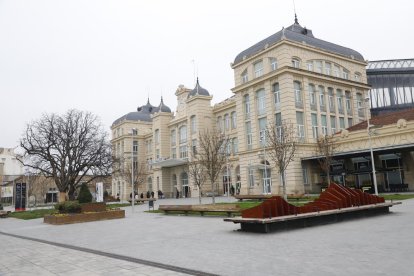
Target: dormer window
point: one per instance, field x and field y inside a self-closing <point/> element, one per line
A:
<point x="295" y="62"/>
<point x="258" y="69"/>
<point x="345" y="74"/>
<point x="357" y="77"/>
<point x="244" y="76"/>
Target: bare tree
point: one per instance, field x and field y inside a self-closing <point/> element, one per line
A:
<point x="281" y="143"/>
<point x="212" y="155"/>
<point x="197" y="171"/>
<point x="326" y="148"/>
<point x="122" y="167"/>
<point x="67" y="147"/>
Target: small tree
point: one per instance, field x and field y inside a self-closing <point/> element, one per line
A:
<point x="281" y="141"/>
<point x="122" y="167"/>
<point x="326" y="148"/>
<point x="212" y="155"/>
<point x="85" y="195"/>
<point x="196" y="171"/>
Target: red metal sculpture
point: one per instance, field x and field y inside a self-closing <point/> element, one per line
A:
<point x="335" y="197"/>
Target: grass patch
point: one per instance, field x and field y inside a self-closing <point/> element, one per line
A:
<point x="397" y="196"/>
<point x="35" y="214"/>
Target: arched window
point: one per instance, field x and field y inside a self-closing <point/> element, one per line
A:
<point x="273" y="63"/>
<point x="150" y="184"/>
<point x="298" y="94"/>
<point x="258" y="69"/>
<point x="276" y="92"/>
<point x="233" y="120"/>
<point x="183" y="134"/>
<point x="227" y="121"/>
<point x="244" y="76"/>
<point x="295" y="62"/>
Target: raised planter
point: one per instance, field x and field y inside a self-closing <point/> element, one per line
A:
<point x="83" y="217"/>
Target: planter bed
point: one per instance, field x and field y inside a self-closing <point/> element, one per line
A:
<point x="83" y="217"/>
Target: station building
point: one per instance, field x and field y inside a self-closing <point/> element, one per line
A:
<point x="318" y="86"/>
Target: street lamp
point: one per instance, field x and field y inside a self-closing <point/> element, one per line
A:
<point x="374" y="176"/>
<point x="263" y="142"/>
<point x="133" y="132"/>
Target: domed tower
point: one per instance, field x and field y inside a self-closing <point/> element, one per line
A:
<point x="198" y="90"/>
<point x="162" y="107"/>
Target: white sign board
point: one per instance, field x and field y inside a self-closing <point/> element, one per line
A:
<point x="99" y="192"/>
<point x="6" y="191"/>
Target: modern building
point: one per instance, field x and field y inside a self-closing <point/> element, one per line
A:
<point x="291" y="76"/>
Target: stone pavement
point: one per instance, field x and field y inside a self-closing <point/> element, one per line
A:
<point x="380" y="245"/>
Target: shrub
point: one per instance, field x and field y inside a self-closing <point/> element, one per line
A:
<point x="85" y="195"/>
<point x="68" y="207"/>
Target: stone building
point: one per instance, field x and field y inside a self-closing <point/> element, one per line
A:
<point x="319" y="87"/>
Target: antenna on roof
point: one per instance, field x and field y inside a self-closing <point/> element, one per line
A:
<point x="294" y="9"/>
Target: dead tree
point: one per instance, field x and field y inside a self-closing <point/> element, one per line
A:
<point x="212" y="156"/>
<point x="67" y="148"/>
<point x="197" y="171"/>
<point x="281" y="140"/>
<point x="125" y="168"/>
<point x="326" y="148"/>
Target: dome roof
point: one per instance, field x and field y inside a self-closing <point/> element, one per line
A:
<point x="162" y="107"/>
<point x="198" y="90"/>
<point x="297" y="33"/>
<point x="143" y="113"/>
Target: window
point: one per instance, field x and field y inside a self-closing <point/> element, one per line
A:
<point x="251" y="176"/>
<point x="348" y="101"/>
<point x="183" y="134"/>
<point x="331" y="100"/>
<point x="235" y="143"/>
<point x="322" y="97"/>
<point x="298" y="92"/>
<point x="273" y="64"/>
<point x="229" y="147"/>
<point x="183" y="151"/>
<point x="157" y="136"/>
<point x="345" y="74"/>
<point x="173" y="138"/>
<point x="349" y="122"/>
<point x="227" y="121"/>
<point x="359" y="101"/>
<point x="262" y="131"/>
<point x="261" y="102"/>
<point x="249" y="137"/>
<point x="276" y="92"/>
<point x="300" y="125"/>
<point x="318" y="66"/>
<point x="314" y="120"/>
<point x="341" y="122"/>
<point x="339" y="100"/>
<point x="357" y="77"/>
<point x="327" y="68"/>
<point x="135" y="146"/>
<point x="157" y="154"/>
<point x="173" y="153"/>
<point x="246" y="101"/>
<point x="244" y="76"/>
<point x="333" y="125"/>
<point x="149" y="146"/>
<point x="312" y="96"/>
<point x="309" y="65"/>
<point x="194" y="146"/>
<point x="134" y="131"/>
<point x="336" y="71"/>
<point x="324" y="126"/>
<point x="233" y="120"/>
<point x="305" y="176"/>
<point x="295" y="63"/>
<point x="193" y="124"/>
<point x="220" y="124"/>
<point x="258" y="69"/>
<point x="278" y="122"/>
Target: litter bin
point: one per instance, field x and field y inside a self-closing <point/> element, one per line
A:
<point x="150" y="204"/>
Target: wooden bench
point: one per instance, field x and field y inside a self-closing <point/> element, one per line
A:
<point x="229" y="209"/>
<point x="252" y="197"/>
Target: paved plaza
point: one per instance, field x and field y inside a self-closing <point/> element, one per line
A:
<point x="380" y="245"/>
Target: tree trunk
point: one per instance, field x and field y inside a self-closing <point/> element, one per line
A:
<point x="213" y="193"/>
<point x="199" y="195"/>
<point x="329" y="178"/>
<point x="62" y="196"/>
<point x="284" y="186"/>
<point x="71" y="193"/>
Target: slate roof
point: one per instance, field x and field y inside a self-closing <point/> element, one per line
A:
<point x="299" y="34"/>
<point x="385" y="119"/>
<point x="198" y="90"/>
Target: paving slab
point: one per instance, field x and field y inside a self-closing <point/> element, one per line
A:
<point x="379" y="245"/>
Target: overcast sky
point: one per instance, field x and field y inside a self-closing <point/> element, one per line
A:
<point x="108" y="56"/>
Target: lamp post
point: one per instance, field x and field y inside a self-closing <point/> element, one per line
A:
<point x="374" y="176"/>
<point x="132" y="169"/>
<point x="263" y="141"/>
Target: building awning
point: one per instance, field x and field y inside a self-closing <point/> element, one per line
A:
<point x="355" y="153"/>
<point x="168" y="163"/>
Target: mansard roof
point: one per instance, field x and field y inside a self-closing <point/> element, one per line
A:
<point x="297" y="33"/>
